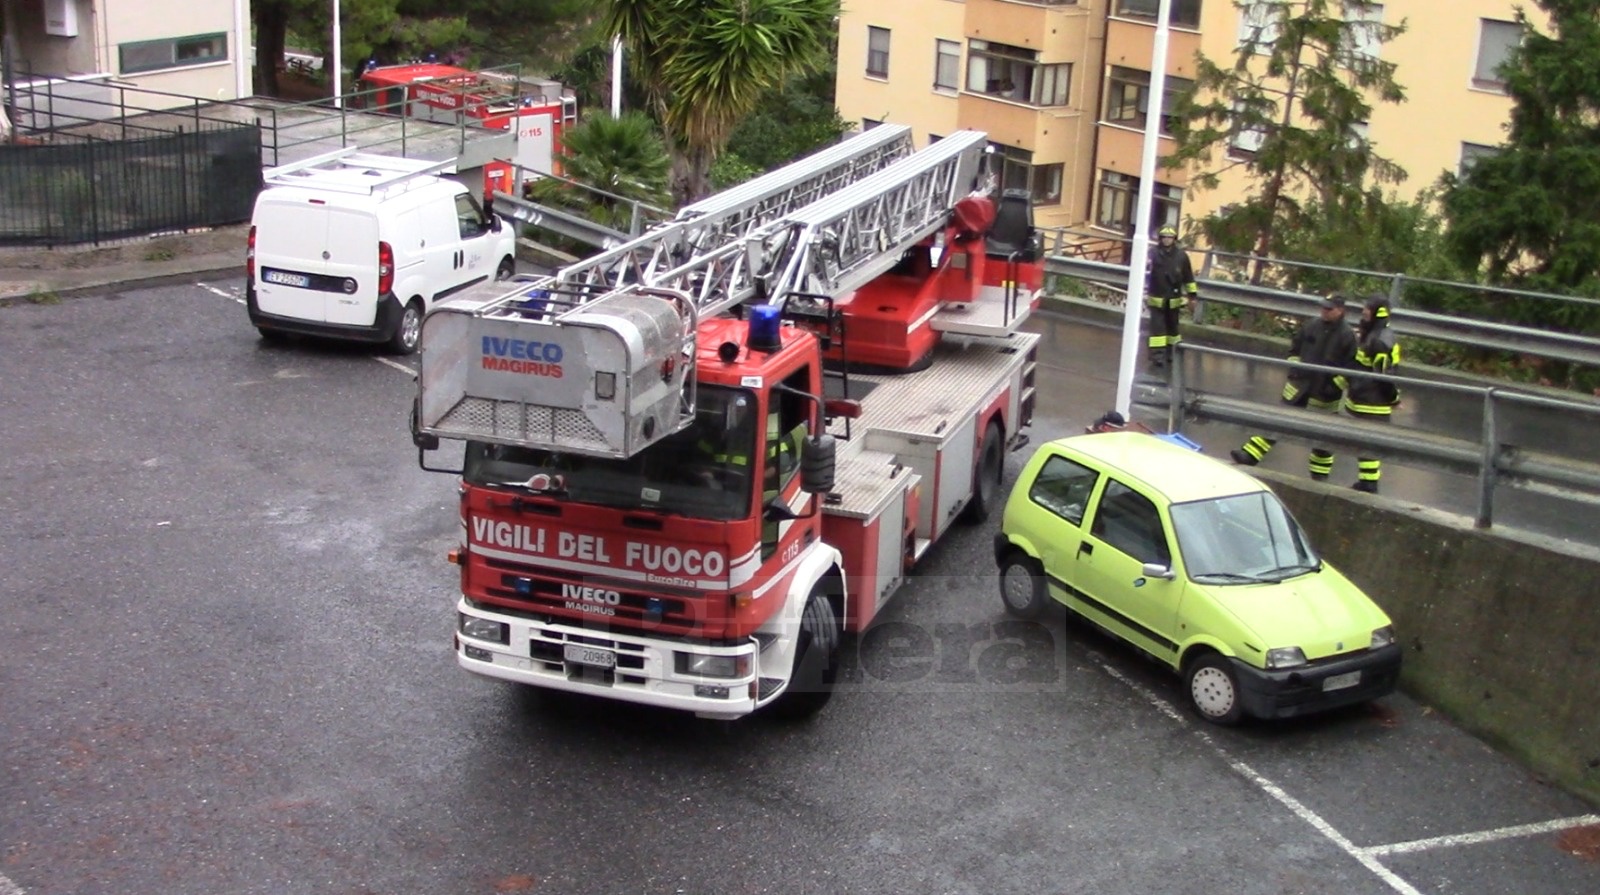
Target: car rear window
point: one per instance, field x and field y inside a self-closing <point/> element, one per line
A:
<point x="1063" y="487"/>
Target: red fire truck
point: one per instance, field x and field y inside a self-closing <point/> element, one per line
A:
<point x="539" y="109"/>
<point x="694" y="462"/>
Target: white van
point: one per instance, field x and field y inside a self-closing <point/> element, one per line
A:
<point x="358" y="246"/>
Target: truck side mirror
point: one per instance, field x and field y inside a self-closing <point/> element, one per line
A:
<point x="817" y="464"/>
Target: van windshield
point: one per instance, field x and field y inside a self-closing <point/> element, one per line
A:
<point x="704" y="472"/>
<point x="1243" y="539"/>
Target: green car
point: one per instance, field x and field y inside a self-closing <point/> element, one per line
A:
<point x="1197" y="564"/>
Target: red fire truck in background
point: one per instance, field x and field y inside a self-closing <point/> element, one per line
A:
<point x="693" y="462"/>
<point x="539" y="109"/>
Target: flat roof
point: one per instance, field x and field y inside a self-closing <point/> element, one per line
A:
<point x="1178" y="472"/>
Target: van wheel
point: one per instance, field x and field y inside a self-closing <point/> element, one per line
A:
<point x="816" y="661"/>
<point x="506" y="270"/>
<point x="986" y="477"/>
<point x="409" y="332"/>
<point x="1022" y="586"/>
<point x="1213" y="690"/>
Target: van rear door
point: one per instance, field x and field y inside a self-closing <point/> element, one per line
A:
<point x="290" y="235"/>
<point x="352" y="257"/>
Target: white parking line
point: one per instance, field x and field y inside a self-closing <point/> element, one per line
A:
<point x="1368" y="860"/>
<point x="7" y="887"/>
<point x="1549" y="826"/>
<point x="225" y="294"/>
<point x="396" y="364"/>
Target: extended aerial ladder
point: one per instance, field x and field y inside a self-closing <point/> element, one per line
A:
<point x="825" y="226"/>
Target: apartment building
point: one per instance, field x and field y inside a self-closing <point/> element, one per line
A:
<point x="1025" y="72"/>
<point x="995" y="65"/>
<point x="196" y="48"/>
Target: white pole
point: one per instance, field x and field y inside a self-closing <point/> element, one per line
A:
<point x="241" y="39"/>
<point x="1141" y="233"/>
<point x="338" y="63"/>
<point x="616" y="77"/>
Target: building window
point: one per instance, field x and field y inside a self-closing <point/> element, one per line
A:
<point x="1245" y="142"/>
<point x="877" y="51"/>
<point x="1358" y="136"/>
<point x="1365" y="35"/>
<point x="1128" y="98"/>
<point x="1259" y="24"/>
<point x="1185" y="13"/>
<point x="1471" y="154"/>
<point x="1015" y="73"/>
<point x="1496" y="40"/>
<point x="1046" y="188"/>
<point x="175" y="52"/>
<point x="947" y="65"/>
<point x="1119" y="195"/>
<point x="1015" y="166"/>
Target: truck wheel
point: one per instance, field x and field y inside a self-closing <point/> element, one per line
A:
<point x="986" y="477"/>
<point x="816" y="661"/>
<point x="409" y="332"/>
<point x="1022" y="586"/>
<point x="1213" y="690"/>
<point x="506" y="270"/>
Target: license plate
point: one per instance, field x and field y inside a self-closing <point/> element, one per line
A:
<point x="588" y="655"/>
<point x="1337" y="682"/>
<point x="286" y="279"/>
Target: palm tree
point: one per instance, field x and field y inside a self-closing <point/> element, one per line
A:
<point x="621" y="156"/>
<point x="705" y="64"/>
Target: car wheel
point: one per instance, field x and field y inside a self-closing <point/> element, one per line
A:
<point x="1022" y="586"/>
<point x="506" y="270"/>
<point x="816" y="661"/>
<point x="986" y="476"/>
<point x="409" y="333"/>
<point x="1213" y="689"/>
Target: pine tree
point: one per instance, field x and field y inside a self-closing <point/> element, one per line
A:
<point x="1529" y="215"/>
<point x="1296" y="94"/>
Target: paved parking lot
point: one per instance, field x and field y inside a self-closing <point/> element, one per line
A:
<point x="225" y="667"/>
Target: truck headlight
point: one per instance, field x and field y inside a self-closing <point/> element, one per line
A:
<point x="1286" y="657"/>
<point x="482" y="628"/>
<point x="1383" y="636"/>
<point x="711" y="666"/>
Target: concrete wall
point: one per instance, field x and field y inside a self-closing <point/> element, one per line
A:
<point x="1500" y="634"/>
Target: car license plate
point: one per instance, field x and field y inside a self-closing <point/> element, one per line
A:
<point x="286" y="279"/>
<point x="1337" y="682"/>
<point x="588" y="655"/>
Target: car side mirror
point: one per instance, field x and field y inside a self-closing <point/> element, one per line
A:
<point x="1157" y="570"/>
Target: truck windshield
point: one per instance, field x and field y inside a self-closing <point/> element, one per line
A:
<point x="1243" y="539"/>
<point x="705" y="471"/>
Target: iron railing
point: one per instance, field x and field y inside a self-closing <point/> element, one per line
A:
<point x="1493" y="461"/>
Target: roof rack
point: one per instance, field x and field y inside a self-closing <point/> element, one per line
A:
<point x="353" y="171"/>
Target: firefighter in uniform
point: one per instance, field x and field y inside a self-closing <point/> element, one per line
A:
<point x="1327" y="341"/>
<point x="1169" y="286"/>
<point x="1371" y="399"/>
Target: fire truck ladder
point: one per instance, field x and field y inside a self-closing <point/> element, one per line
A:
<point x="844" y="240"/>
<point x="720" y="221"/>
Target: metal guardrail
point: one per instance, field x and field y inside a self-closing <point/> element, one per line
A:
<point x="1570" y="347"/>
<point x="1492" y="461"/>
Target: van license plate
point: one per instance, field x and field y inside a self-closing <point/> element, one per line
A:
<point x="588" y="655"/>
<point x="1337" y="682"/>
<point x="286" y="279"/>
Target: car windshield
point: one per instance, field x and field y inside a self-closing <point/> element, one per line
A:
<point x="703" y="472"/>
<point x="1243" y="539"/>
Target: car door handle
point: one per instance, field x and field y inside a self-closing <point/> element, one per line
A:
<point x="1085" y="547"/>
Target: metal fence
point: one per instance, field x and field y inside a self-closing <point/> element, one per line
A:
<point x="1490" y="453"/>
<point x="90" y="190"/>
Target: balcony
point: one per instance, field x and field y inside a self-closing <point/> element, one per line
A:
<point x="1056" y="30"/>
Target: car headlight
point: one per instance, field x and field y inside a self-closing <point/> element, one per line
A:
<point x="483" y="629"/>
<point x="1383" y="636"/>
<point x="711" y="666"/>
<point x="1286" y="657"/>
